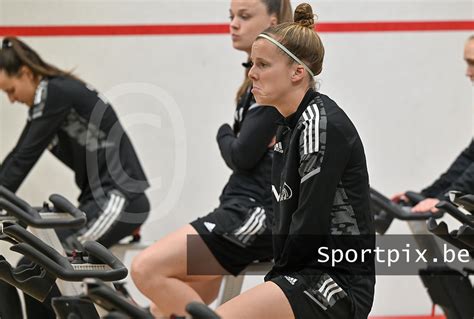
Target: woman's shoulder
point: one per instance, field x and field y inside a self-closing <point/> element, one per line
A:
<point x="70" y="87"/>
<point x="328" y="115"/>
<point x="329" y="108"/>
<point x="315" y="108"/>
<point x="323" y="100"/>
<point x="61" y="87"/>
<point x="65" y="83"/>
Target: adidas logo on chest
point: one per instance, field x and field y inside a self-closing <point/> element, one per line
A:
<point x="291" y="280"/>
<point x="278" y="148"/>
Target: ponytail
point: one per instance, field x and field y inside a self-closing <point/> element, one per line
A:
<point x="15" y="54"/>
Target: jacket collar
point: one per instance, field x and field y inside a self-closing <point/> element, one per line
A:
<point x="292" y="119"/>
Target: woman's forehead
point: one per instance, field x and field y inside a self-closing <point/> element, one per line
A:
<point x="238" y="5"/>
<point x="264" y="49"/>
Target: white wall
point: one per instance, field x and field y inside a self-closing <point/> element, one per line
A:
<point x="406" y="93"/>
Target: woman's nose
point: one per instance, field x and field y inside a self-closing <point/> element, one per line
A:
<point x="252" y="73"/>
<point x="234" y="24"/>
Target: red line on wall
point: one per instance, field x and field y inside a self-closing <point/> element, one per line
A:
<point x="405" y="26"/>
<point x="410" y="317"/>
<point x="209" y="29"/>
<point x="114" y="30"/>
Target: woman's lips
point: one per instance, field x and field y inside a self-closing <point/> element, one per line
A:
<point x="254" y="89"/>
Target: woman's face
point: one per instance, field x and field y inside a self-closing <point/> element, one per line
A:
<point x="469" y="58"/>
<point x="19" y="88"/>
<point x="248" y="18"/>
<point x="271" y="73"/>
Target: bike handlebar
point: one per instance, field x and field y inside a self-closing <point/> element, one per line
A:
<point x="35" y="249"/>
<point x="397" y="211"/>
<point x="456" y="213"/>
<point x="21" y="210"/>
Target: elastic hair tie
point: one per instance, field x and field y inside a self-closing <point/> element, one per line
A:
<point x="6" y="44"/>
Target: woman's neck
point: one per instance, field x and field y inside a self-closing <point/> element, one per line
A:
<point x="290" y="103"/>
<point x="36" y="81"/>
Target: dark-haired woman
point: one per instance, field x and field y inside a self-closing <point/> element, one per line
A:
<point x="238" y="231"/>
<point x="79" y="127"/>
<point x="321" y="188"/>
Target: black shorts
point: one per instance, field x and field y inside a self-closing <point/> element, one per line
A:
<point x="237" y="233"/>
<point x="315" y="294"/>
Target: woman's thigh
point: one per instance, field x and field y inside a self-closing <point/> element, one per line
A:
<point x="169" y="256"/>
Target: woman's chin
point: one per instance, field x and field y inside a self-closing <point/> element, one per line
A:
<point x="263" y="100"/>
<point x="258" y="99"/>
<point x="239" y="46"/>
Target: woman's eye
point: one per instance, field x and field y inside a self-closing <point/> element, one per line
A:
<point x="244" y="17"/>
<point x="231" y="17"/>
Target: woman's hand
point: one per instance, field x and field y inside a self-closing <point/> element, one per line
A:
<point x="427" y="205"/>
<point x="399" y="197"/>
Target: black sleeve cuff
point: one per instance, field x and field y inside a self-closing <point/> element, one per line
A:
<point x="224" y="130"/>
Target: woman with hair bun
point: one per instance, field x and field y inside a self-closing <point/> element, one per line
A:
<point x="320" y="186"/>
<point x="188" y="264"/>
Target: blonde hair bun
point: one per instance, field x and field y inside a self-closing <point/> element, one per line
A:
<point x="304" y="15"/>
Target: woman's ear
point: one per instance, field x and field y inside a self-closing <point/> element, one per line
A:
<point x="273" y="20"/>
<point x="298" y="73"/>
<point x="26" y="71"/>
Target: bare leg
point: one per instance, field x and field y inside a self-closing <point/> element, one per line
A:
<point x="208" y="290"/>
<point x="160" y="273"/>
<point x="265" y="301"/>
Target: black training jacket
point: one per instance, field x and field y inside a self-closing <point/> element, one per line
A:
<point x="321" y="189"/>
<point x="82" y="130"/>
<point x="459" y="176"/>
<point x="246" y="151"/>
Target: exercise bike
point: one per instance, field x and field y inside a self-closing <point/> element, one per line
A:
<point x="449" y="288"/>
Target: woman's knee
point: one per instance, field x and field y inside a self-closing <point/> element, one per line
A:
<point x="147" y="268"/>
<point x="166" y="258"/>
<point x="156" y="311"/>
<point x="139" y="267"/>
